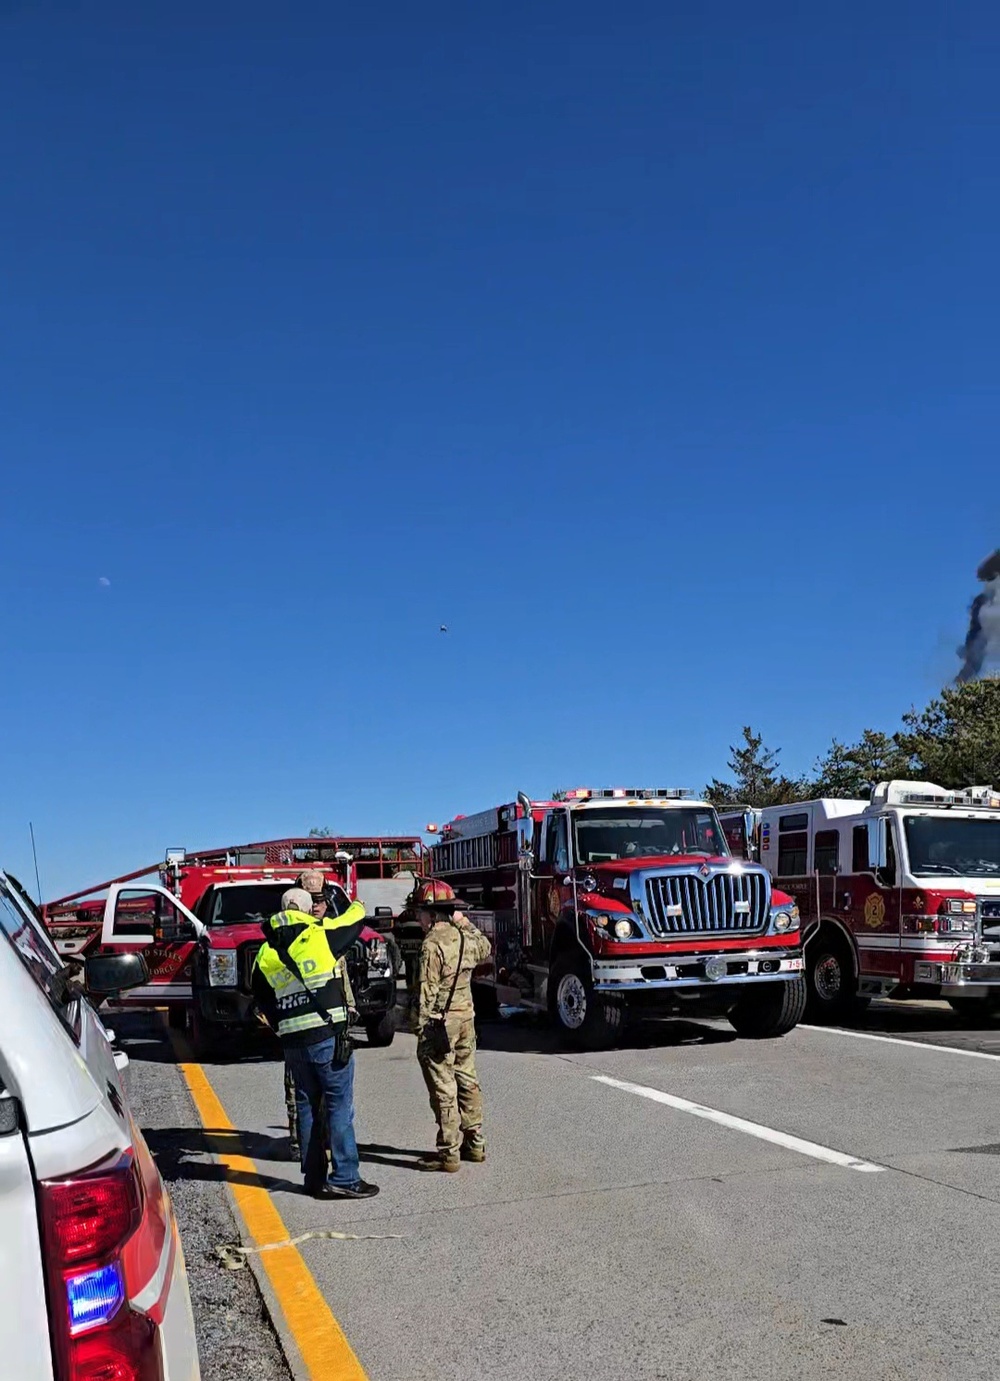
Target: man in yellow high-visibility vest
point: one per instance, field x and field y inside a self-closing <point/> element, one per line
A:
<point x="299" y="987"/>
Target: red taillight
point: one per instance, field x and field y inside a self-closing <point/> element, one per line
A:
<point x="89" y="1218"/>
<point x="86" y="1221"/>
<point x="125" y="1351"/>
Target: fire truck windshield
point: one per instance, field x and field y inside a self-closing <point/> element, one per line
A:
<point x="258" y="901"/>
<point x="952" y="846"/>
<point x="605" y="835"/>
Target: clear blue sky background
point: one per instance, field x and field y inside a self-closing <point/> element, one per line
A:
<point x="652" y="348"/>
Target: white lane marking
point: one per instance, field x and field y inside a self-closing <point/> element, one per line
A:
<point x="740" y="1124"/>
<point x="898" y="1040"/>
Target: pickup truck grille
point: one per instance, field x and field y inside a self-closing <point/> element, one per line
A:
<point x="248" y="957"/>
<point x="682" y="903"/>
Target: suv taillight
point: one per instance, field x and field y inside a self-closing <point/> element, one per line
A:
<point x="86" y="1221"/>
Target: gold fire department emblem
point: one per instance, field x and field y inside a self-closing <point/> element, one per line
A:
<point x="874" y="911"/>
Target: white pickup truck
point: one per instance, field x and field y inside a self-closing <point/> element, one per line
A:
<point x="92" y="1279"/>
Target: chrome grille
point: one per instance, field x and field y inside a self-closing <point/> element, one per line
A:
<point x="684" y="903"/>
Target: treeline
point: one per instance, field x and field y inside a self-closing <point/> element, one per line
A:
<point x="955" y="742"/>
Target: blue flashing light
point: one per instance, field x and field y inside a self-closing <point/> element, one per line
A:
<point x="94" y="1298"/>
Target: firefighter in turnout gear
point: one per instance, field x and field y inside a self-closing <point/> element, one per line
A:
<point x="445" y="1026"/>
<point x="313" y="881"/>
<point x="298" y="983"/>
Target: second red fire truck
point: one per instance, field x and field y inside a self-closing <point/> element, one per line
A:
<point x="900" y="894"/>
<point x="602" y="903"/>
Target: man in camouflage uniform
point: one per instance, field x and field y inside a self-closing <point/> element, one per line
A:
<point x="456" y="1098"/>
<point x="312" y="881"/>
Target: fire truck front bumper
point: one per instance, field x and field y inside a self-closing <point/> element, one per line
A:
<point x="959" y="978"/>
<point x="704" y="971"/>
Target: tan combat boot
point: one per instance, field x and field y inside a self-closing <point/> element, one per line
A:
<point x="474" y="1149"/>
<point x="447" y="1161"/>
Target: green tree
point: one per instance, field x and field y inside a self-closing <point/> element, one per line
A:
<point x="757" y="780"/>
<point x="955" y="741"/>
<point x="320" y="832"/>
<point x="846" y="769"/>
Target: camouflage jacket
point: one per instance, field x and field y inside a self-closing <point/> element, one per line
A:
<point x="438" y="963"/>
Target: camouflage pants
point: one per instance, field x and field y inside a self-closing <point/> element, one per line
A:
<point x="456" y="1098"/>
<point x="292" y="1113"/>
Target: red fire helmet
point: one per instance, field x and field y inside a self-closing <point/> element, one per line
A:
<point x="435" y="894"/>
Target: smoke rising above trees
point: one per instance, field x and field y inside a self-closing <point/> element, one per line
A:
<point x="982" y="641"/>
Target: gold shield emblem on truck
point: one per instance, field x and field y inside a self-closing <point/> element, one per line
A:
<point x="874" y="910"/>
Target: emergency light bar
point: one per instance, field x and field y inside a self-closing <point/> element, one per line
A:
<point x="981" y="798"/>
<point x="621" y="793"/>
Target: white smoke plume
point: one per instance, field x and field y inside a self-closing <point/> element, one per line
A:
<point x="982" y="642"/>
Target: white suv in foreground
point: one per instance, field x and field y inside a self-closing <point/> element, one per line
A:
<point x="92" y="1278"/>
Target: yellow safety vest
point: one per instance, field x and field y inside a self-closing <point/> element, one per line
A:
<point x="310" y="951"/>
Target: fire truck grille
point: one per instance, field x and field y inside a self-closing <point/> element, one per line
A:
<point x="684" y="904"/>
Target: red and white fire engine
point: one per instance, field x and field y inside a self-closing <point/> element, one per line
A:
<point x="199" y="928"/>
<point x="899" y="895"/>
<point x="600" y="903"/>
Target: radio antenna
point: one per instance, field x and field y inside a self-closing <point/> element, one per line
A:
<point x="34" y="855"/>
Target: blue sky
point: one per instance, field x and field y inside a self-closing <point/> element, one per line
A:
<point x="651" y="348"/>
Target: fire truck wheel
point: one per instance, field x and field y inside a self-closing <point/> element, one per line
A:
<point x="205" y="1038"/>
<point x="588" y="1019"/>
<point x="381" y="1032"/>
<point x="977" y="1010"/>
<point x="830" y="977"/>
<point x="773" y="1010"/>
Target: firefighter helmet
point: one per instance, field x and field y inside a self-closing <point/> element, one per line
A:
<point x="436" y="895"/>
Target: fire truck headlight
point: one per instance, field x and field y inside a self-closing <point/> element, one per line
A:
<point x="623" y="929"/>
<point x="222" y="968"/>
<point x="958" y="906"/>
<point x="786" y="919"/>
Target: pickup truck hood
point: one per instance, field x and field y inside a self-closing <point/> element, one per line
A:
<point x="232" y="936"/>
<point x="657" y="861"/>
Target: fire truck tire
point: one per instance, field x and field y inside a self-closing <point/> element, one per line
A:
<point x="832" y="986"/>
<point x="205" y="1037"/>
<point x="382" y="1031"/>
<point x="587" y="1019"/>
<point x="981" y="1010"/>
<point x="772" y="1011"/>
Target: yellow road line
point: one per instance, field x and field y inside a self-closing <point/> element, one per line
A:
<point x="327" y="1354"/>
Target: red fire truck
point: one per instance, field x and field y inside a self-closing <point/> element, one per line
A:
<point x="199" y="927"/>
<point x="600" y="903"/>
<point x="900" y="895"/>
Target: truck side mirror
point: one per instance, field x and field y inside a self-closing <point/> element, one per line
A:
<point x="878" y="847"/>
<point x="105" y="974"/>
<point x="382" y="919"/>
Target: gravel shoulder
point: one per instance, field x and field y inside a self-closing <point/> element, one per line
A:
<point x="230" y="1315"/>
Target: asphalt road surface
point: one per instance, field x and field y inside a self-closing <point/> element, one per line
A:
<point x="830" y="1206"/>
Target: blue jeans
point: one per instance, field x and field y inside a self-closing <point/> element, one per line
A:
<point x="324" y="1088"/>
